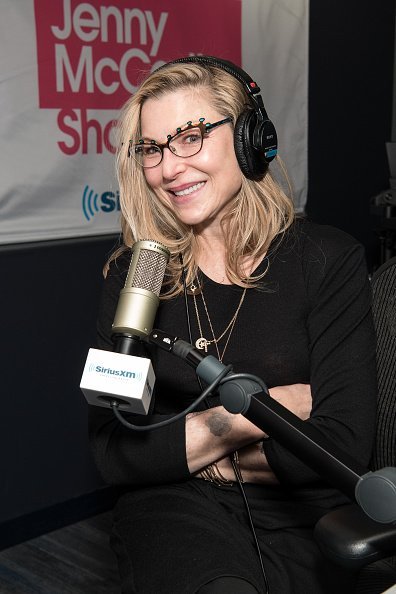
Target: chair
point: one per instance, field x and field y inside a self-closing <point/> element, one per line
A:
<point x="346" y="535"/>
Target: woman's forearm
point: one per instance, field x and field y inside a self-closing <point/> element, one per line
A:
<point x="213" y="434"/>
<point x="252" y="466"/>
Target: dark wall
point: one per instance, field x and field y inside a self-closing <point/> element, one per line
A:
<point x="49" y="296"/>
<point x="350" y="106"/>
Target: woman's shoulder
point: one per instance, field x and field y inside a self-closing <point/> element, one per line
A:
<point x="116" y="272"/>
<point x="308" y="230"/>
<point x="314" y="251"/>
<point x="118" y="265"/>
<point x="317" y="241"/>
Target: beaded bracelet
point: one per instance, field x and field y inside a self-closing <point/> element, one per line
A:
<point x="212" y="473"/>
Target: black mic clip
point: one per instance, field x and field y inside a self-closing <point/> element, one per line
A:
<point x="129" y="344"/>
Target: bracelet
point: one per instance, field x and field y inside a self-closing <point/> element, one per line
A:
<point x="212" y="474"/>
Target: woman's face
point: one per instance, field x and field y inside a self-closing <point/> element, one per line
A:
<point x="198" y="189"/>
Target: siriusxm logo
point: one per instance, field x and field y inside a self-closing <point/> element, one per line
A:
<point x="93" y="203"/>
<point x="121" y="373"/>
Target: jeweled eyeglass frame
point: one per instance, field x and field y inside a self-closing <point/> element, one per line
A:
<point x="135" y="149"/>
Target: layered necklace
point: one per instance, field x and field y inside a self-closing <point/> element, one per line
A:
<point x="202" y="343"/>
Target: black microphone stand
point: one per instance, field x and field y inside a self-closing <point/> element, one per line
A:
<point x="246" y="394"/>
<point x="375" y="492"/>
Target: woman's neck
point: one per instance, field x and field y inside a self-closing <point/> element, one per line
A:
<point x="212" y="262"/>
<point x="212" y="259"/>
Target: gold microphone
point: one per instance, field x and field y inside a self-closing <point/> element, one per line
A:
<point x="139" y="299"/>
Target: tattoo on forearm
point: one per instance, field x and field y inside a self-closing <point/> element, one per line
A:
<point x="218" y="424"/>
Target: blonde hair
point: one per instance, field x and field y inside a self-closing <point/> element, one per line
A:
<point x="260" y="212"/>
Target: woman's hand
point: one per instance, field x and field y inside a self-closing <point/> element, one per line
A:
<point x="296" y="397"/>
<point x="252" y="463"/>
<point x="214" y="433"/>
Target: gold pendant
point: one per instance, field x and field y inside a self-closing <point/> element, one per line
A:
<point x="201" y="344"/>
<point x="194" y="289"/>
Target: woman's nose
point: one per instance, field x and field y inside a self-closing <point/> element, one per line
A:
<point x="172" y="165"/>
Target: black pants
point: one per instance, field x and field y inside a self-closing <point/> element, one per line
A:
<point x="179" y="539"/>
<point x="227" y="585"/>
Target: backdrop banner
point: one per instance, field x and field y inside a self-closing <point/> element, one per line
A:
<point x="68" y="66"/>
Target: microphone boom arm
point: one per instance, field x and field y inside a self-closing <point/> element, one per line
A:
<point x="246" y="394"/>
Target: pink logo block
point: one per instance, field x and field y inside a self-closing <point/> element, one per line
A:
<point x="93" y="55"/>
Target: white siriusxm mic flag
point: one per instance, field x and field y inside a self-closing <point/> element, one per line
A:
<point x="111" y="376"/>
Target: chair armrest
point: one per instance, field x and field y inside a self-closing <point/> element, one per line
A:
<point x="350" y="538"/>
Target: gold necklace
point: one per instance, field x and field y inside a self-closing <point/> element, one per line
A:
<point x="202" y="343"/>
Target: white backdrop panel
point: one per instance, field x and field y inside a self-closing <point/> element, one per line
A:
<point x="66" y="67"/>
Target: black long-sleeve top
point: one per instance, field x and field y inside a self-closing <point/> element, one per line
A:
<point x="310" y="322"/>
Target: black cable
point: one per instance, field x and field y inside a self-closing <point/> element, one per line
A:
<point x="115" y="404"/>
<point x="251" y="523"/>
<point x="248" y="376"/>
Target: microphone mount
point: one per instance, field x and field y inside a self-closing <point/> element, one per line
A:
<point x="128" y="344"/>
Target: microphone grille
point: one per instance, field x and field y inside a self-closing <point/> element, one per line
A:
<point x="148" y="265"/>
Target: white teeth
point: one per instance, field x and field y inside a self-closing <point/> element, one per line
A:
<point x="189" y="190"/>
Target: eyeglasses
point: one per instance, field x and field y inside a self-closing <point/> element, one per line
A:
<point x="185" y="143"/>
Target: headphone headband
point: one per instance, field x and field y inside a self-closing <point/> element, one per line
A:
<point x="255" y="138"/>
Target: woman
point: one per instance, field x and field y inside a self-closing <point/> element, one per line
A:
<point x="281" y="298"/>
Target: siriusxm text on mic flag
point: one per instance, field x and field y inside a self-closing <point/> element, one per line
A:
<point x="109" y="376"/>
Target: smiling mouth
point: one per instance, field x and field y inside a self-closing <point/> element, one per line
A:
<point x="189" y="190"/>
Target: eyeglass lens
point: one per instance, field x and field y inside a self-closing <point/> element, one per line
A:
<point x="184" y="144"/>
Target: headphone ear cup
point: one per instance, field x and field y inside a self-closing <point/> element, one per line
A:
<point x="252" y="162"/>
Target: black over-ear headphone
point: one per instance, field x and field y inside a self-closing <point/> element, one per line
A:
<point x="255" y="138"/>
